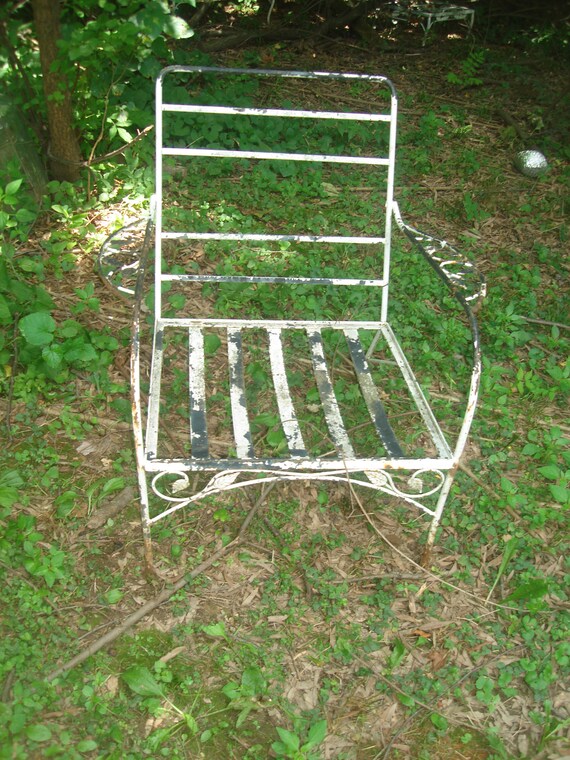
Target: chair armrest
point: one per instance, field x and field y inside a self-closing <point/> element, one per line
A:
<point x="121" y="255"/>
<point x="468" y="286"/>
<point x="461" y="276"/>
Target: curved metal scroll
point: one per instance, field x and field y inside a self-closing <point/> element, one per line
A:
<point x="120" y="256"/>
<point x="460" y="274"/>
<point x="172" y="491"/>
<point x="468" y="286"/>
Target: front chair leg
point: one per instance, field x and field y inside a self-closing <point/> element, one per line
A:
<point x="145" y="522"/>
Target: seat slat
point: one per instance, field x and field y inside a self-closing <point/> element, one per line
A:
<point x="289" y="421"/>
<point x="329" y="401"/>
<point x="197" y="392"/>
<point x="370" y="395"/>
<point x="240" y="420"/>
<point x="417" y="394"/>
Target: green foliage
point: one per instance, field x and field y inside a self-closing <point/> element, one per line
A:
<point x="109" y="53"/>
<point x="473" y="211"/>
<point x="140" y="680"/>
<point x="244" y="696"/>
<point x="32" y="342"/>
<point x="214" y="685"/>
<point x="540" y="36"/>
<point x="470" y="70"/>
<point x="292" y="746"/>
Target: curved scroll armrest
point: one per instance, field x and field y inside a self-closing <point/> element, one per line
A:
<point x="462" y="277"/>
<point x="121" y="256"/>
<point x="468" y="286"/>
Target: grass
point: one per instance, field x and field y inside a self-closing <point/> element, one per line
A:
<point x="320" y="615"/>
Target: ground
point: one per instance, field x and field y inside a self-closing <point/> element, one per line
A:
<point x="321" y="611"/>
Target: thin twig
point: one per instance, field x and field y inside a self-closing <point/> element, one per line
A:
<point x="509" y="119"/>
<point x="276" y="533"/>
<point x="388" y="748"/>
<point x="99" y="138"/>
<point x="476" y="479"/>
<point x="105" y="156"/>
<point x="424" y="570"/>
<point x="378" y="577"/>
<point x="158" y="600"/>
<point x="536" y="321"/>
<point x="106" y="624"/>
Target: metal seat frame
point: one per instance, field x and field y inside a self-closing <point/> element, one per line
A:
<point x="169" y="477"/>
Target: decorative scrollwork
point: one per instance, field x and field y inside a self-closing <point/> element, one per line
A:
<point x="121" y="254"/>
<point x="384" y="481"/>
<point x="461" y="274"/>
<point x="169" y="490"/>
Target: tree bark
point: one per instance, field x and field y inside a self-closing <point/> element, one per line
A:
<point x="64" y="153"/>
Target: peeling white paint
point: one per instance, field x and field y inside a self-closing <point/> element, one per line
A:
<point x="169" y="477"/>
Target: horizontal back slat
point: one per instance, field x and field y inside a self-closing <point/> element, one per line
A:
<point x="276" y="112"/>
<point x="354" y="240"/>
<point x="272" y="280"/>
<point x="324" y="158"/>
<point x="203" y="115"/>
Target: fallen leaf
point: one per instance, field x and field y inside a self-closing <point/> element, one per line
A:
<point x="438" y="658"/>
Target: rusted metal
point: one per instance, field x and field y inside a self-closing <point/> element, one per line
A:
<point x="429" y="476"/>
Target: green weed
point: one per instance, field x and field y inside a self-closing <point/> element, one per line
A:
<point x="470" y="70"/>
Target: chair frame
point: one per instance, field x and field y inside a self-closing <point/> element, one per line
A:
<point x="430" y="14"/>
<point x="169" y="477"/>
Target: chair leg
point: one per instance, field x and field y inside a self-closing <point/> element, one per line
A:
<point x="443" y="495"/>
<point x="145" y="520"/>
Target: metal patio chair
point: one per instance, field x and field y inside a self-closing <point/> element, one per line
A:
<point x="270" y="397"/>
<point x="429" y="14"/>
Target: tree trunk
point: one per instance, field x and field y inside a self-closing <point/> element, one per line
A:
<point x="64" y="153"/>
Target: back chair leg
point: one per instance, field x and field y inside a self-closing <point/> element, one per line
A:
<point x="441" y="502"/>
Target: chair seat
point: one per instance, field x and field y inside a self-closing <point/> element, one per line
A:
<point x="249" y="389"/>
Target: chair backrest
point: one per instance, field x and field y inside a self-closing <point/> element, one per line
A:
<point x="282" y="144"/>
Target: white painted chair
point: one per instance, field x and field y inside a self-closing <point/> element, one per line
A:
<point x="274" y="396"/>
